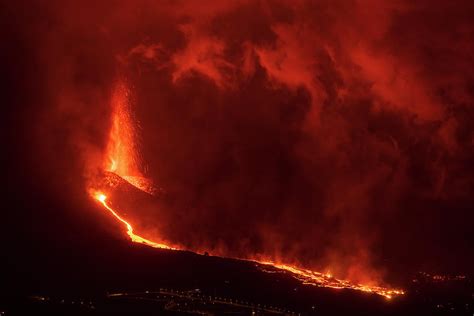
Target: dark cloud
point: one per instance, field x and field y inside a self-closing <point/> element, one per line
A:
<point x="334" y="134"/>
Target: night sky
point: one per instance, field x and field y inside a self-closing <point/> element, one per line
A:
<point x="337" y="135"/>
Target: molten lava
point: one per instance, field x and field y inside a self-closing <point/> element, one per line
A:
<point x="122" y="156"/>
<point x="304" y="275"/>
<point x="135" y="238"/>
<point x="122" y="160"/>
<point x="326" y="280"/>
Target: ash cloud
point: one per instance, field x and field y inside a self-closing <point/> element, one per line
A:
<point x="333" y="134"/>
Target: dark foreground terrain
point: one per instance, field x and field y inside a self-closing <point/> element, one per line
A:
<point x="137" y="280"/>
<point x="66" y="257"/>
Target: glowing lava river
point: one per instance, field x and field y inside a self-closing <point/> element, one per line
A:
<point x="304" y="275"/>
<point x="121" y="160"/>
<point x="135" y="238"/>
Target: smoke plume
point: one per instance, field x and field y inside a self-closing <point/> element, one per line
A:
<point x="332" y="134"/>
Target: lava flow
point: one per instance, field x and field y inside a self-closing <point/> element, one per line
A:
<point x="304" y="275"/>
<point x="135" y="238"/>
<point x="326" y="280"/>
<point x="121" y="160"/>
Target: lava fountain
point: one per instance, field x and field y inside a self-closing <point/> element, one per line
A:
<point x="122" y="159"/>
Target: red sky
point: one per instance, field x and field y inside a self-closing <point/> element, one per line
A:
<point x="337" y="134"/>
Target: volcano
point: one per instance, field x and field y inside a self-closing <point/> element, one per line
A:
<point x="211" y="157"/>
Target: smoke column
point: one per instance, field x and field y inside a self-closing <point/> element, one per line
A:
<point x="333" y="135"/>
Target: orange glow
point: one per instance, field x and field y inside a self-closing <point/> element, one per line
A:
<point x="121" y="151"/>
<point x="102" y="198"/>
<point x="326" y="280"/>
<point x="304" y="275"/>
<point x="122" y="154"/>
<point x="122" y="159"/>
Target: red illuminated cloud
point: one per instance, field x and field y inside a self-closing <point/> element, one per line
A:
<point x="322" y="132"/>
<point x="203" y="55"/>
